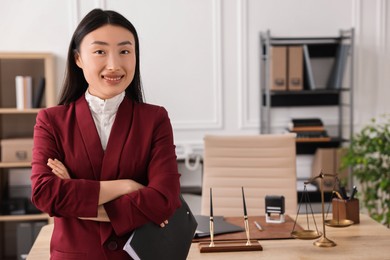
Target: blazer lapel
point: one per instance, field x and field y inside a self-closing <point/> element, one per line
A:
<point x="118" y="136"/>
<point x="90" y="136"/>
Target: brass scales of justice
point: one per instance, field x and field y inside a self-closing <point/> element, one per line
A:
<point x="229" y="246"/>
<point x="308" y="233"/>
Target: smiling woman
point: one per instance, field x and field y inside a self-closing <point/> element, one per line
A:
<point x="104" y="161"/>
<point x="107" y="58"/>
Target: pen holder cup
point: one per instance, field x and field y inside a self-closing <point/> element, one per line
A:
<point x="346" y="209"/>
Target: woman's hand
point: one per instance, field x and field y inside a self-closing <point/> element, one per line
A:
<point x="58" y="168"/>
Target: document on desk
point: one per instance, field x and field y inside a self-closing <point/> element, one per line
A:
<point x="220" y="226"/>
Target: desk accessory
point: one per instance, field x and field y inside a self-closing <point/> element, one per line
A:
<point x="313" y="234"/>
<point x="274" y="205"/>
<point x="270" y="231"/>
<point x="258" y="226"/>
<point x="345" y="212"/>
<point x="248" y="241"/>
<point x="229" y="246"/>
<point x="211" y="220"/>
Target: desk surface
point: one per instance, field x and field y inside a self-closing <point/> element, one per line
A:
<point x="367" y="240"/>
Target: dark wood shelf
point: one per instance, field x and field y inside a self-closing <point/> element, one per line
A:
<point x="311" y="147"/>
<point x="303" y="98"/>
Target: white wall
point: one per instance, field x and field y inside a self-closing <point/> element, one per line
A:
<point x="200" y="58"/>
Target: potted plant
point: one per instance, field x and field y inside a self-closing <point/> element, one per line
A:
<point x="369" y="159"/>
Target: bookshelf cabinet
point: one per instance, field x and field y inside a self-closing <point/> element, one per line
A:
<point x="327" y="81"/>
<point x="19" y="123"/>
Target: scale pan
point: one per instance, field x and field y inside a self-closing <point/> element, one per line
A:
<point x="306" y="234"/>
<point x="338" y="223"/>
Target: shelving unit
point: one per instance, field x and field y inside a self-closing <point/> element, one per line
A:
<point x="19" y="123"/>
<point x="339" y="96"/>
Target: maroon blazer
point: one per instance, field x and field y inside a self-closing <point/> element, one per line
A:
<point x="140" y="147"/>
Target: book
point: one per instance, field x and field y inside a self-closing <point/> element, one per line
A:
<point x="304" y="122"/>
<point x="306" y="128"/>
<point x="313" y="139"/>
<point x="38" y="95"/>
<point x="23" y="87"/>
<point x="312" y="134"/>
<point x="173" y="241"/>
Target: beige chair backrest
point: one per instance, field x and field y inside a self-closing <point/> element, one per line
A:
<point x="262" y="164"/>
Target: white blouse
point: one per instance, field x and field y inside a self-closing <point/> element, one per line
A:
<point x="103" y="113"/>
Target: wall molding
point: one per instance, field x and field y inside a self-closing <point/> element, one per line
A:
<point x="102" y="4"/>
<point x="217" y="84"/>
<point x="74" y="15"/>
<point x="381" y="35"/>
<point x="244" y="120"/>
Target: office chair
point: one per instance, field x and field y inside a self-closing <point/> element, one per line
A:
<point x="262" y="164"/>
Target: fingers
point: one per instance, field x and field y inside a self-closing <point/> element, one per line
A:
<point x="164" y="223"/>
<point x="58" y="168"/>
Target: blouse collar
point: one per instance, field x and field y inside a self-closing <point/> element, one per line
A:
<point x="104" y="106"/>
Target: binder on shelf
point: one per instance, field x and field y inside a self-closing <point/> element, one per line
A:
<point x="322" y="69"/>
<point x="295" y="68"/>
<point x="278" y="68"/>
<point x="337" y="75"/>
<point x="308" y="69"/>
<point x="23" y="85"/>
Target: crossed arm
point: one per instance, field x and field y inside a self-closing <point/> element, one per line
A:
<point x="109" y="190"/>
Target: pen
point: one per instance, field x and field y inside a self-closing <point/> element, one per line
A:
<point x="243" y="203"/>
<point x="343" y="193"/>
<point x="258" y="226"/>
<point x="248" y="242"/>
<point x="211" y="220"/>
<point x="353" y="192"/>
<point x="338" y="195"/>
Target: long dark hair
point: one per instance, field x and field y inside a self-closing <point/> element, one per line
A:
<point x="74" y="83"/>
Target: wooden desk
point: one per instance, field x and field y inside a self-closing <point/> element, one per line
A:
<point x="367" y="240"/>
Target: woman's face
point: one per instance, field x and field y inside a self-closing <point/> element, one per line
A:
<point x="107" y="58"/>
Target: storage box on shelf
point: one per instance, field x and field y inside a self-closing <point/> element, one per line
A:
<point x="17" y="124"/>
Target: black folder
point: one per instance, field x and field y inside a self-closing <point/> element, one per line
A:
<point x="220" y="226"/>
<point x="171" y="242"/>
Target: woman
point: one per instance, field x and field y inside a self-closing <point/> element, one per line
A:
<point x="104" y="161"/>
